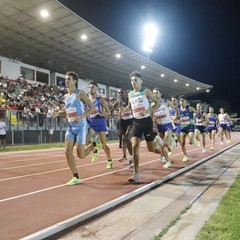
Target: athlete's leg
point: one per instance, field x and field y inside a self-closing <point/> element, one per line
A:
<point x="135" y="153"/>
<point x="103" y="140"/>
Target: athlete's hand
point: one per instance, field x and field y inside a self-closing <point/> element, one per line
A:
<point x="144" y="113"/>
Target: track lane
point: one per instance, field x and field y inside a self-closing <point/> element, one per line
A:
<point x="45" y="193"/>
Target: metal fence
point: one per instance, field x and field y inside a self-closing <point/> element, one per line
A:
<point x="38" y="128"/>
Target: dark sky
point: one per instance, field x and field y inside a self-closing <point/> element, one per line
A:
<point x="197" y="38"/>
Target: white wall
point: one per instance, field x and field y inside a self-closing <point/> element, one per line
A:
<point x="102" y="89"/>
<point x="53" y="77"/>
<point x="12" y="68"/>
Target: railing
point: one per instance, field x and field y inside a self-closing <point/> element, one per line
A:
<point x="38" y="128"/>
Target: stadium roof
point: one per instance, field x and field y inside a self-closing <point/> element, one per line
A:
<point x="55" y="43"/>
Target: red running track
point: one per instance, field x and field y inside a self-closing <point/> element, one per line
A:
<point x="33" y="194"/>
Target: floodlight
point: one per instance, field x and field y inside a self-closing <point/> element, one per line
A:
<point x="84" y="37"/>
<point x="150" y="34"/>
<point x="44" y="13"/>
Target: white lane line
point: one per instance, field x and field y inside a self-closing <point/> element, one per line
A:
<point x="86" y="165"/>
<point x="31" y="165"/>
<point x="39" y="164"/>
<point x="82" y="180"/>
<point x="62" y="185"/>
<point x="32" y="159"/>
<point x="57" y="170"/>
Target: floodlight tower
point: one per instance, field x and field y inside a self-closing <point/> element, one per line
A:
<point x="150" y="34"/>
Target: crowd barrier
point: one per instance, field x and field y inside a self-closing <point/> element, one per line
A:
<point x="38" y="128"/>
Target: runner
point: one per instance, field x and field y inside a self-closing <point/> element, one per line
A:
<point x="97" y="122"/>
<point x="162" y="118"/>
<point x="229" y="124"/>
<point x="200" y="127"/>
<point x="187" y="124"/>
<point x="75" y="110"/>
<point x="212" y="121"/>
<point x="223" y="117"/>
<point x="175" y="121"/>
<point x="139" y="102"/>
<point x="125" y="122"/>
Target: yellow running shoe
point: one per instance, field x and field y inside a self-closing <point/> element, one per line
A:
<point x="185" y="158"/>
<point x="94" y="157"/>
<point x="109" y="164"/>
<point x="167" y="164"/>
<point x="97" y="144"/>
<point x="73" y="181"/>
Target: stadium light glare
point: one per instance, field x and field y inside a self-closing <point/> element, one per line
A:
<point x="118" y="55"/>
<point x="162" y="75"/>
<point x="143" y="67"/>
<point x="150" y="34"/>
<point x="187" y="84"/>
<point x="175" y="80"/>
<point x="44" y="13"/>
<point x="84" y="37"/>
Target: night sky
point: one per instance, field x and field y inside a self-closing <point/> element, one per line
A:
<point x="197" y="38"/>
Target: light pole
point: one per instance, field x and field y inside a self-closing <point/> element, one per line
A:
<point x="150" y="34"/>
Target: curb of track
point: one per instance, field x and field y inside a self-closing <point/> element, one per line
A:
<point x="58" y="227"/>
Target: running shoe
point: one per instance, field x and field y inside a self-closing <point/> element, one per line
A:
<point x="167" y="164"/>
<point x="212" y="148"/>
<point x="185" y="158"/>
<point x="97" y="144"/>
<point x="169" y="153"/>
<point x="221" y="143"/>
<point x="94" y="157"/>
<point x="109" y="164"/>
<point x="203" y="150"/>
<point x="73" y="181"/>
<point x="135" y="178"/>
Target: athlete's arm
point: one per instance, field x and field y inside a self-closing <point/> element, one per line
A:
<point x="128" y="107"/>
<point x="156" y="104"/>
<point x="106" y="112"/>
<point x="170" y="104"/>
<point x="192" y="109"/>
<point x="89" y="106"/>
<point x="59" y="112"/>
<point x="114" y="107"/>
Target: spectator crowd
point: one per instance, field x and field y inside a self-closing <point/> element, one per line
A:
<point x="22" y="102"/>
